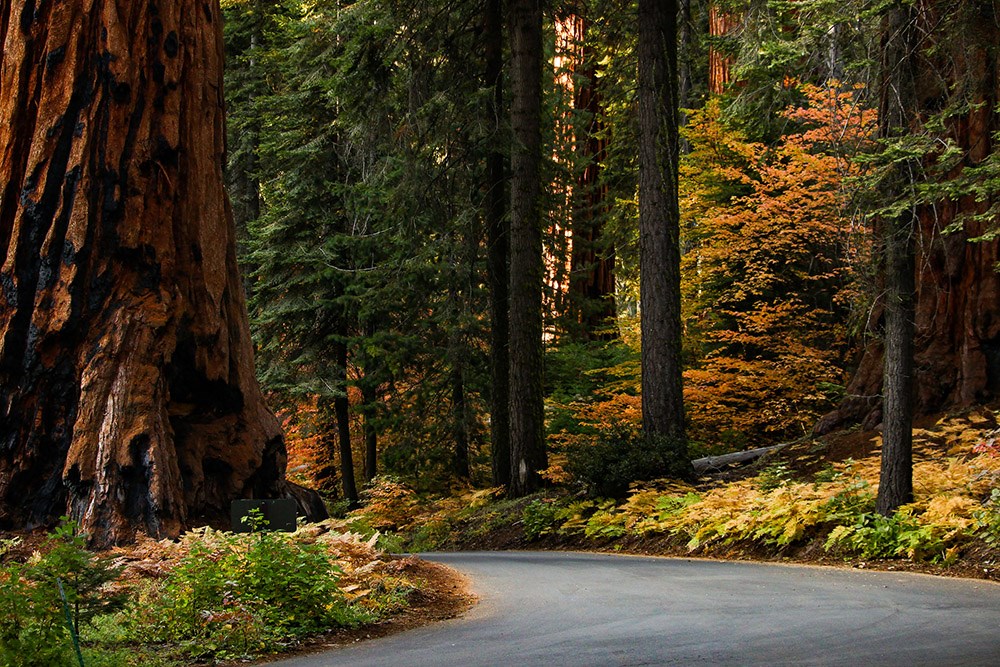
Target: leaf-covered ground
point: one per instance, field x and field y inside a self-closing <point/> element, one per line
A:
<point x="811" y="502"/>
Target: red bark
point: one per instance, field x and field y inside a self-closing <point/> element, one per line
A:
<point x="127" y="394"/>
<point x="592" y="258"/>
<point x="720" y="24"/>
<point x="957" y="347"/>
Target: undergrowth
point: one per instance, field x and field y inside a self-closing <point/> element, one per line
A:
<point x="956" y="505"/>
<point x="212" y="595"/>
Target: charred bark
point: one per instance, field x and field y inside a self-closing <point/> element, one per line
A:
<point x="127" y="394"/>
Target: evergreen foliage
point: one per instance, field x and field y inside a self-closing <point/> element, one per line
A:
<point x="366" y="130"/>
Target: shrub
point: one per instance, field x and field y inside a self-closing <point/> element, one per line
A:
<point x="876" y="536"/>
<point x="621" y="456"/>
<point x="235" y="595"/>
<point x="988" y="520"/>
<point x="33" y="624"/>
<point x="539" y="518"/>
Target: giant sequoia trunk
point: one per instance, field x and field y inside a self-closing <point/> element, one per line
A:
<point x="127" y="393"/>
<point x="720" y="65"/>
<point x="957" y="309"/>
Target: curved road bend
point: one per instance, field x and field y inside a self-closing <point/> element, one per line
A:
<point x="553" y="609"/>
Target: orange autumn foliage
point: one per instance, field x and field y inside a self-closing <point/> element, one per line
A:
<point x="770" y="269"/>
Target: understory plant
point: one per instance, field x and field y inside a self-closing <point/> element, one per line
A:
<point x="236" y="595"/>
<point x="956" y="502"/>
<point x="211" y="595"/>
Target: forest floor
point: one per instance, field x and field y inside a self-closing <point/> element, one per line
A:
<point x="948" y="473"/>
<point x="399" y="592"/>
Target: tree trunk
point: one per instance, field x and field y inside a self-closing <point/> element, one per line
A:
<point x="526" y="267"/>
<point x="659" y="223"/>
<point x="685" y="45"/>
<point x="498" y="253"/>
<point x="592" y="257"/>
<point x="460" y="423"/>
<point x="342" y="410"/>
<point x="957" y="304"/>
<point x="127" y="390"/>
<point x="720" y="23"/>
<point x="369" y="397"/>
<point x="897" y="113"/>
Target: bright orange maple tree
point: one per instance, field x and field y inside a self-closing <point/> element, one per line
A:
<point x="770" y="267"/>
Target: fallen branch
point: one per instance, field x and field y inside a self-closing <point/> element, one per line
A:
<point x="711" y="463"/>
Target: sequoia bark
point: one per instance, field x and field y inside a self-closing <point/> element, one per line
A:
<point x="957" y="306"/>
<point x="127" y="394"/>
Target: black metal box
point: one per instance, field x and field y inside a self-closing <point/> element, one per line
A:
<point x="278" y="514"/>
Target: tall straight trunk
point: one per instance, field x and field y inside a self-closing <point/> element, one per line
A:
<point x="242" y="174"/>
<point x="720" y="23"/>
<point x="369" y="397"/>
<point x="897" y="113"/>
<point x="527" y="446"/>
<point x="460" y="423"/>
<point x="592" y="258"/>
<point x="498" y="252"/>
<point x="127" y="394"/>
<point x="342" y="410"/>
<point x="659" y="223"/>
<point x="684" y="82"/>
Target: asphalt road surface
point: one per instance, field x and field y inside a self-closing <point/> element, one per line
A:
<point x="587" y="609"/>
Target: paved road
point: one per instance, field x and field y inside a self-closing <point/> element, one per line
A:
<point x="556" y="609"/>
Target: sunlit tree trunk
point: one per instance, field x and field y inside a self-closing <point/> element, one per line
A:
<point x="659" y="222"/>
<point x="592" y="256"/>
<point x="526" y="267"/>
<point x="720" y="23"/>
<point x="127" y="393"/>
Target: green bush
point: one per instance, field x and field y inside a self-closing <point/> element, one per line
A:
<point x="539" y="518"/>
<point x="988" y="520"/>
<point x="238" y="595"/>
<point x="876" y="536"/>
<point x="622" y="456"/>
<point x="33" y="624"/>
<point x="33" y="631"/>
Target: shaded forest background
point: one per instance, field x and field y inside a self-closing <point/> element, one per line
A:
<point x="364" y="140"/>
